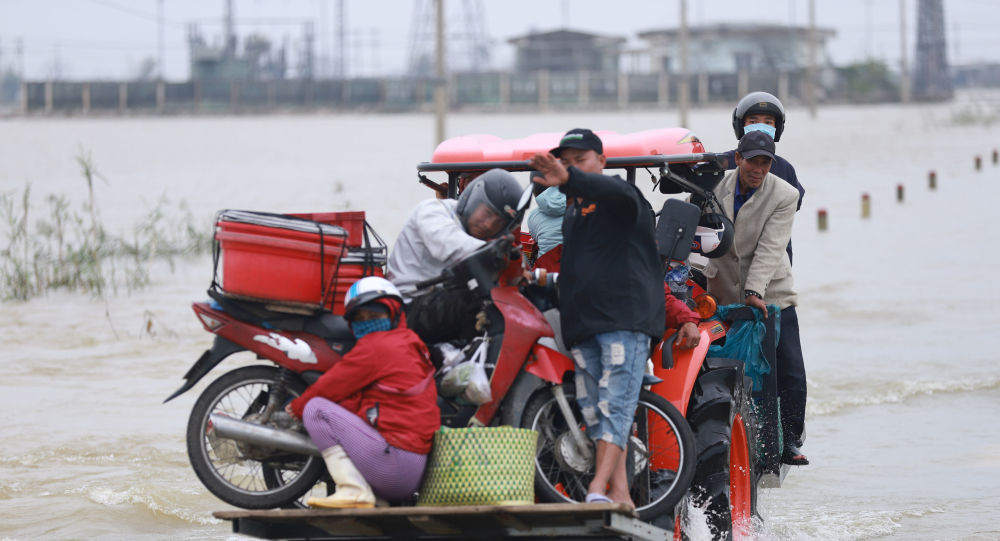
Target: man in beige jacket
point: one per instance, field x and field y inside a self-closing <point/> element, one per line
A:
<point x="757" y="270"/>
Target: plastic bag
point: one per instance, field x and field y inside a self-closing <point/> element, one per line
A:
<point x="450" y="356"/>
<point x="745" y="341"/>
<point x="468" y="378"/>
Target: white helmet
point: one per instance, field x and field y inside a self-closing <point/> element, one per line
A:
<point x="713" y="237"/>
<point x="706" y="239"/>
<point x="367" y="290"/>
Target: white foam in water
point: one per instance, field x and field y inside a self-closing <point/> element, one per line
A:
<point x="137" y="497"/>
<point x="695" y="521"/>
<point x="893" y="392"/>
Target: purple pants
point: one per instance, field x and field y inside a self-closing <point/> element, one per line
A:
<point x="394" y="474"/>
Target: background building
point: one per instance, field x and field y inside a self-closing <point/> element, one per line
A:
<point x="566" y="50"/>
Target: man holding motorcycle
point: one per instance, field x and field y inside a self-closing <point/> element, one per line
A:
<point x="438" y="233"/>
<point x="610" y="291"/>
<point x="758" y="270"/>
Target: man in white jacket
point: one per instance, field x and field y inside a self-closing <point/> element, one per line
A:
<point x="439" y="233"/>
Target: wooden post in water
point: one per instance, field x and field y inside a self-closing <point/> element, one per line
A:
<point x="821" y="219"/>
<point x="866" y="206"/>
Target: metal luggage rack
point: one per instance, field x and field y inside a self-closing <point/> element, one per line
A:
<point x="693" y="173"/>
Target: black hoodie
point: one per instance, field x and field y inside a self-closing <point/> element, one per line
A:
<point x="611" y="275"/>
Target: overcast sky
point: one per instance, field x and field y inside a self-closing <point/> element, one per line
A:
<point x="111" y="38"/>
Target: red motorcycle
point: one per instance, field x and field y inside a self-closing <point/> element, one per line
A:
<point x="247" y="452"/>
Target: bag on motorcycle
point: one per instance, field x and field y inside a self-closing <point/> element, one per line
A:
<point x="469" y="379"/>
<point x="480" y="466"/>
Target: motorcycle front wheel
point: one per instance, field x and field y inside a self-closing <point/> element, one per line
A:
<point x="660" y="457"/>
<point x="240" y="474"/>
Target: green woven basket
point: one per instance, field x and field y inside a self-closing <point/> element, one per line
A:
<point x="481" y="466"/>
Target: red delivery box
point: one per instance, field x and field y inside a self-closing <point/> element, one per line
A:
<point x="278" y="258"/>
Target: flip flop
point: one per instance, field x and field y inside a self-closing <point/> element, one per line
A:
<point x="794" y="457"/>
<point x="595" y="497"/>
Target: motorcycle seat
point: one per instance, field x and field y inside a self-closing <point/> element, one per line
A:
<point x="329" y="327"/>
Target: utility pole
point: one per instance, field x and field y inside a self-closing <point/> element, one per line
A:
<point x="341" y="41"/>
<point x="685" y="89"/>
<point x="230" y="29"/>
<point x="811" y="70"/>
<point x="440" y="82"/>
<point x="904" y="64"/>
<point x="159" y="32"/>
<point x="930" y="78"/>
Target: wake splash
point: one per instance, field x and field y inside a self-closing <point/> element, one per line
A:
<point x="827" y="524"/>
<point x="834" y="400"/>
<point x="138" y="497"/>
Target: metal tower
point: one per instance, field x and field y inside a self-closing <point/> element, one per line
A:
<point x="931" y="80"/>
<point x="467" y="37"/>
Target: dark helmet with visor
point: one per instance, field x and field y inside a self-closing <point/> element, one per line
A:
<point x="497" y="189"/>
<point x="759" y="103"/>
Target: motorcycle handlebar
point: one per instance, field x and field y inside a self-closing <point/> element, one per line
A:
<point x="431" y="282"/>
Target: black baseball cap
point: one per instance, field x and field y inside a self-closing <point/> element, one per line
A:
<point x="579" y="138"/>
<point x="756" y="143"/>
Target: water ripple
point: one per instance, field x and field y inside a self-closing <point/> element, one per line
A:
<point x="894" y="392"/>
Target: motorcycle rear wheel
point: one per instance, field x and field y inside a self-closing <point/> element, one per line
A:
<point x="660" y="459"/>
<point x="223" y="466"/>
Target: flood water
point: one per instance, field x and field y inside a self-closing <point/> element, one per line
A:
<point x="897" y="312"/>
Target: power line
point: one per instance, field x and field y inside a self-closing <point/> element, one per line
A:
<point x="135" y="12"/>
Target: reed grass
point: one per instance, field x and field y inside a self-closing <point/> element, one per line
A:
<point x="68" y="247"/>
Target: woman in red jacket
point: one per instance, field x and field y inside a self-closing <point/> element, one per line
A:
<point x="374" y="413"/>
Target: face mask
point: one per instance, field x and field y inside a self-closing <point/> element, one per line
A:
<point x="766" y="128"/>
<point x="362" y="328"/>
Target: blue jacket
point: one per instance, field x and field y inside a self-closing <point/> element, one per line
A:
<point x="545" y="222"/>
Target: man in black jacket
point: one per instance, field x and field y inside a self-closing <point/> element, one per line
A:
<point x="610" y="294"/>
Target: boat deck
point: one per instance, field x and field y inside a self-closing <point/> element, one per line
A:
<point x="607" y="521"/>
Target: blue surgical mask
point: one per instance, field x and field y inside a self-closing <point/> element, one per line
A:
<point x="766" y="128"/>
<point x="363" y="328"/>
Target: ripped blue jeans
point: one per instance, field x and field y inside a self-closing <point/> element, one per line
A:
<point x="608" y="380"/>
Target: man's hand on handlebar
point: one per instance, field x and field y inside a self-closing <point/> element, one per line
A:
<point x="756" y="302"/>
<point x="688" y="336"/>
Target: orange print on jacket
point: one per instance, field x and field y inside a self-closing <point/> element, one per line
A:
<point x="588" y="209"/>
